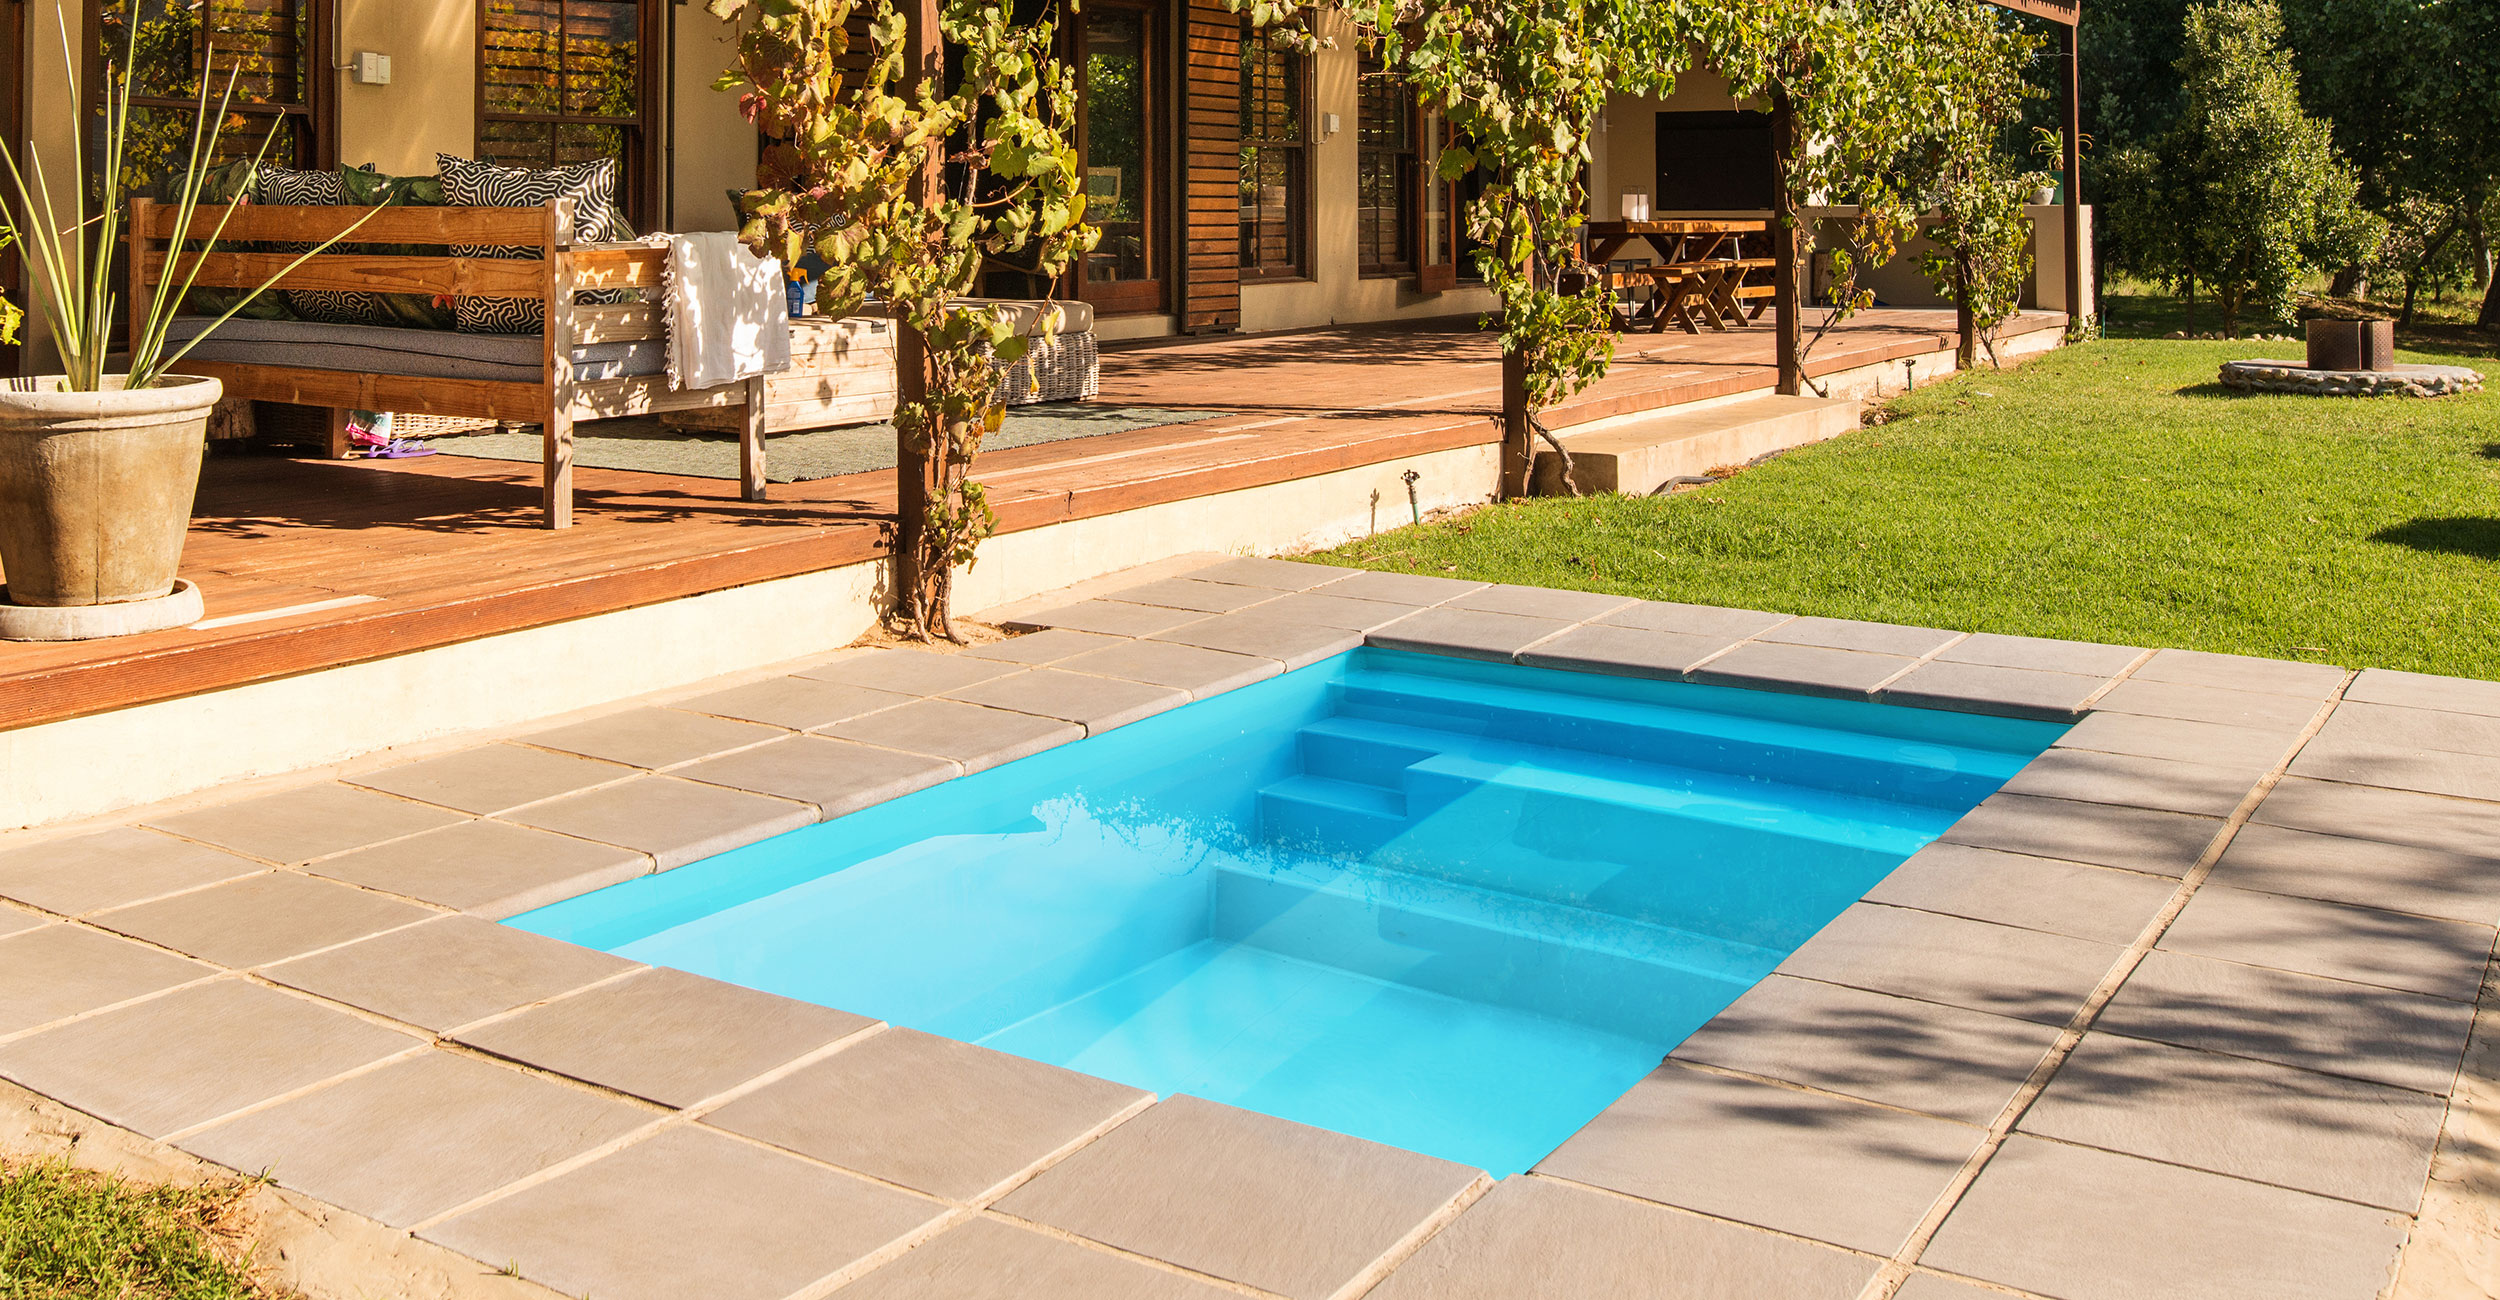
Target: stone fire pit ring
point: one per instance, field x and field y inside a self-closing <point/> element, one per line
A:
<point x="2266" y="376"/>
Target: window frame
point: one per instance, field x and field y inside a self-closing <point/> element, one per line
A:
<point x="1159" y="115"/>
<point x="638" y="187"/>
<point x="1298" y="215"/>
<point x="318" y="138"/>
<point x="1406" y="183"/>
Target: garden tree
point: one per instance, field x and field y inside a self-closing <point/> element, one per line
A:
<point x="2244" y="194"/>
<point x="1848" y="81"/>
<point x="1521" y="83"/>
<point x="1968" y="176"/>
<point x="2413" y="90"/>
<point x="942" y="141"/>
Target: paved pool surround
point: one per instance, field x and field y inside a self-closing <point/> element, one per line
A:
<point x="2179" y="1011"/>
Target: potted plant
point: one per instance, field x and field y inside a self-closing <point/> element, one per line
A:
<point x="97" y="469"/>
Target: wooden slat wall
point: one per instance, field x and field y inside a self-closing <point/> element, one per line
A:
<point x="1211" y="169"/>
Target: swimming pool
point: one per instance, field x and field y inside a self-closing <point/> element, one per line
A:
<point x="1453" y="906"/>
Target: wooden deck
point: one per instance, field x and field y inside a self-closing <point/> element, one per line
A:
<point x="311" y="564"/>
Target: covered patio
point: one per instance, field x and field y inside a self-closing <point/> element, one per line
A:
<point x="309" y="565"/>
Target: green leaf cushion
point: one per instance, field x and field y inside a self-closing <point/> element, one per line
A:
<point x="370" y="189"/>
<point x="232" y="183"/>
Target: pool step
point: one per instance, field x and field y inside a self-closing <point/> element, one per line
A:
<point x="1910" y="769"/>
<point x="1624" y="976"/>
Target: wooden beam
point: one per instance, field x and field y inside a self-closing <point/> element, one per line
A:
<point x="2074" y="179"/>
<point x="2067" y="12"/>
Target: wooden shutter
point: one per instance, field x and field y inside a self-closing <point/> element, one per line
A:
<point x="1210" y="293"/>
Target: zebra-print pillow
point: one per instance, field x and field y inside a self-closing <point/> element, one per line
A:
<point x="470" y="183"/>
<point x="290" y="187"/>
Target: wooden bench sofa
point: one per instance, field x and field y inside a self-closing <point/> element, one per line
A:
<point x="550" y="394"/>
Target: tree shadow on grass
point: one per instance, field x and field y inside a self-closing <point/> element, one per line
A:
<point x="2212" y="389"/>
<point x="2475" y="536"/>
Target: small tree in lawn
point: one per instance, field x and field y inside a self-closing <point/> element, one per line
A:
<point x="854" y="174"/>
<point x="1848" y="81"/>
<point x="1521" y="83"/>
<point x="1982" y="236"/>
<point x="2250" y="183"/>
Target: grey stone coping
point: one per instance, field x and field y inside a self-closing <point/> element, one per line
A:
<point x="2064" y="1220"/>
<point x="2281" y="1055"/>
<point x="1805" y="1163"/>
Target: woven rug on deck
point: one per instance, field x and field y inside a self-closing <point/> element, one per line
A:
<point x="644" y="444"/>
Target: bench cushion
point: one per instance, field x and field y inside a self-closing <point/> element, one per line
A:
<point x="1027" y="314"/>
<point x="421" y="354"/>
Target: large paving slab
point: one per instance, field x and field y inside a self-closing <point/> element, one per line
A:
<point x="1852" y="634"/>
<point x="307" y="822"/>
<point x="1624" y="651"/>
<point x="447" y="972"/>
<point x="2207" y="704"/>
<point x="2186" y="740"/>
<point x="2129" y="781"/>
<point x="1466" y="633"/>
<point x="992" y="1259"/>
<point x="195" y="1054"/>
<point x="2040" y="654"/>
<point x="1541" y="602"/>
<point x="1109" y="617"/>
<point x="1319" y="609"/>
<point x="939" y="1116"/>
<point x="493" y="778"/>
<point x="665" y="1035"/>
<point x="1984" y="688"/>
<point x="49" y="972"/>
<point x="417" y="1137"/>
<point x="1198" y="671"/>
<point x="1097" y="704"/>
<point x="2026" y="974"/>
<point x="1803" y="669"/>
<point x="674" y="821"/>
<point x="968" y="735"/>
<point x="112" y="868"/>
<point x="1693" y="620"/>
<point x="264" y="918"/>
<point x="2423" y="691"/>
<point x="2456" y="886"/>
<point x="2069" y="898"/>
<point x="1264" y="1202"/>
<point x="1924" y="1056"/>
<point x="2408" y="1040"/>
<point x="1267" y="633"/>
<point x="2090" y="1225"/>
<point x="1539" y="1237"/>
<point x="654" y="737"/>
<point x="2269" y="1123"/>
<point x="2108" y="835"/>
<point x="837" y="777"/>
<point x="689" y="1212"/>
<point x="2369" y="813"/>
<point x="1829" y="1168"/>
<point x="908" y="672"/>
<point x="492" y="868"/>
<point x="2242" y="673"/>
<point x="795" y="702"/>
<point x="2361" y="944"/>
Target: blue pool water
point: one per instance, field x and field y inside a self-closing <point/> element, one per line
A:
<point x="1453" y="906"/>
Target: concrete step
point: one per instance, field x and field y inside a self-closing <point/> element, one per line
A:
<point x="1639" y="455"/>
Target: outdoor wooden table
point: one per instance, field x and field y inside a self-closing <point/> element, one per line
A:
<point x="1669" y="239"/>
<point x="1692" y="271"/>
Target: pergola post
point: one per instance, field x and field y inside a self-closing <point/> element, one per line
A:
<point x="1790" y="258"/>
<point x="2074" y="174"/>
<point x="924" y="57"/>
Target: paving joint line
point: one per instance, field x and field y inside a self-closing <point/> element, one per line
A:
<point x="1103" y="1247"/>
<point x="1405" y="1248"/>
<point x="1889" y="1279"/>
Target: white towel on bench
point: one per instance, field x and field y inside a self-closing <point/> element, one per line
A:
<point x="728" y="314"/>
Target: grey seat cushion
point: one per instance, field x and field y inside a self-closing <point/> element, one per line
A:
<point x="418" y="354"/>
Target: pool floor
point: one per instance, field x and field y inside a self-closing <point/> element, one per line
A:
<point x="1454" y="907"/>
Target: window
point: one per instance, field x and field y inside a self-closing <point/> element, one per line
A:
<point x="1385" y="179"/>
<point x="1275" y="160"/>
<point x="565" y="81"/>
<point x="270" y="45"/>
<point x="1120" y="100"/>
<point x="1715" y="162"/>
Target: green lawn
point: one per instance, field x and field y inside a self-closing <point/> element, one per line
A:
<point x="66" y="1234"/>
<point x="2108" y="492"/>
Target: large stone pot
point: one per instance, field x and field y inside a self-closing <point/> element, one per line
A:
<point x="96" y="488"/>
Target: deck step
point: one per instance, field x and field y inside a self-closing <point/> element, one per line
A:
<point x="1638" y="456"/>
